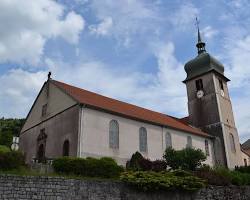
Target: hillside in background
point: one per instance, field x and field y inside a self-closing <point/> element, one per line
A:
<point x="8" y="129"/>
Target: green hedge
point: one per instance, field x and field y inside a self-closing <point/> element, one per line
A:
<point x="90" y="167"/>
<point x="11" y="160"/>
<point x="223" y="176"/>
<point x="152" y="181"/>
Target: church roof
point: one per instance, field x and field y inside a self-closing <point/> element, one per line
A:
<point x="202" y="64"/>
<point x="246" y="145"/>
<point x="96" y="101"/>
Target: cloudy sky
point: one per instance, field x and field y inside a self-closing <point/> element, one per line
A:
<point x="132" y="50"/>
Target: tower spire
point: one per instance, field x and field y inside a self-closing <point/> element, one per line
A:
<point x="200" y="45"/>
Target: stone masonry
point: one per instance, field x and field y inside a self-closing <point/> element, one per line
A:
<point x="55" y="188"/>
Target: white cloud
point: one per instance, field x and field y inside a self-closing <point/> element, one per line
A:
<point x="208" y="32"/>
<point x="184" y="16"/>
<point x="103" y="28"/>
<point x="18" y="90"/>
<point x="155" y="91"/>
<point x="26" y="25"/>
<point x="123" y="19"/>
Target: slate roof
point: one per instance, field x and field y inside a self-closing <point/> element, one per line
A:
<point x="246" y="145"/>
<point x="209" y="63"/>
<point x="96" y="101"/>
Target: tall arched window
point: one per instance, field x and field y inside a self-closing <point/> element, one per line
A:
<point x="113" y="134"/>
<point x="232" y="143"/>
<point x="245" y="162"/>
<point x="189" y="142"/>
<point x="66" y="148"/>
<point x="143" y="146"/>
<point x="168" y="140"/>
<point x="207" y="148"/>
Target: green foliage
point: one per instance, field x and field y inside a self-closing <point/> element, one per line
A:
<point x="213" y="177"/>
<point x="90" y="167"/>
<point x="152" y="181"/>
<point x="223" y="176"/>
<point x="243" y="169"/>
<point x="8" y="129"/>
<point x="4" y="149"/>
<point x="186" y="159"/>
<point x="139" y="163"/>
<point x="11" y="160"/>
<point x="134" y="163"/>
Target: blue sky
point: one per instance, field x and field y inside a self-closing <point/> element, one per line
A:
<point x="132" y="50"/>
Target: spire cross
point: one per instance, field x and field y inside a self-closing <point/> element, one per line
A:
<point x="197" y="22"/>
<point x="49" y="75"/>
<point x="200" y="45"/>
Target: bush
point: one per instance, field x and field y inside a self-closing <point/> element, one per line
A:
<point x="4" y="149"/>
<point x="159" y="165"/>
<point x="243" y="169"/>
<point x="186" y="159"/>
<point x="11" y="160"/>
<point x="139" y="163"/>
<point x="152" y="181"/>
<point x="90" y="167"/>
<point x="134" y="162"/>
<point x="223" y="176"/>
<point x="212" y="177"/>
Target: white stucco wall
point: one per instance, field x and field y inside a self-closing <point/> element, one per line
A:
<point x="56" y="101"/>
<point x="94" y="138"/>
<point x="245" y="156"/>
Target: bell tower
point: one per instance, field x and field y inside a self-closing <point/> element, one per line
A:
<point x="209" y="105"/>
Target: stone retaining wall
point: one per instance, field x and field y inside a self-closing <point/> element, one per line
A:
<point x="53" y="188"/>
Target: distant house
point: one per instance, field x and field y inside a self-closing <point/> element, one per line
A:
<point x="246" y="149"/>
<point x="69" y="121"/>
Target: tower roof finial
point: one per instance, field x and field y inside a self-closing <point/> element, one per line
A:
<point x="200" y="45"/>
<point x="49" y="75"/>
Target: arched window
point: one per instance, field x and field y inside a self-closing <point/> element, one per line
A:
<point x="113" y="134"/>
<point x="143" y="146"/>
<point x="168" y="140"/>
<point x="41" y="153"/>
<point x="66" y="148"/>
<point x="207" y="148"/>
<point x="245" y="162"/>
<point x="189" y="142"/>
<point x="232" y="143"/>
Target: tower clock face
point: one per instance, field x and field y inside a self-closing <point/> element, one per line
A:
<point x="200" y="94"/>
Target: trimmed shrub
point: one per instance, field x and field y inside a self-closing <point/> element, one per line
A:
<point x="186" y="159"/>
<point x="159" y="165"/>
<point x="90" y="167"/>
<point x="134" y="162"/>
<point x="152" y="181"/>
<point x="11" y="160"/>
<point x="139" y="163"/>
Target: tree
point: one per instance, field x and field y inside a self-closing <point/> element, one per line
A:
<point x="186" y="159"/>
<point x="8" y="129"/>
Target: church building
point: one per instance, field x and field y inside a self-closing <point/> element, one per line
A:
<point x="68" y="121"/>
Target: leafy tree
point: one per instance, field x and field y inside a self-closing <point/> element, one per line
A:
<point x="186" y="159"/>
<point x="8" y="129"/>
